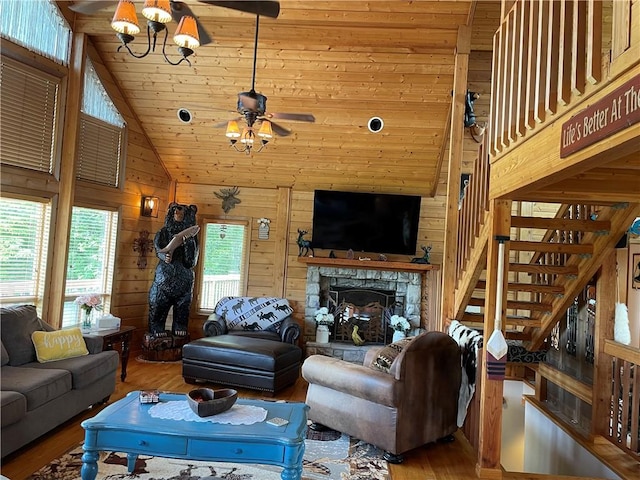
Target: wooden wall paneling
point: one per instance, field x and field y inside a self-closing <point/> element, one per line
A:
<point x="522" y="66"/>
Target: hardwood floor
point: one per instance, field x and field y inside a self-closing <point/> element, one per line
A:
<point x="436" y="461"/>
<point x="449" y="461"/>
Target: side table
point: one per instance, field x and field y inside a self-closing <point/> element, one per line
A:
<point x="120" y="335"/>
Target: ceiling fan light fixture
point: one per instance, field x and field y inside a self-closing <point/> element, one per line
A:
<point x="187" y="33"/>
<point x="125" y="19"/>
<point x="157" y="11"/>
<point x="265" y="130"/>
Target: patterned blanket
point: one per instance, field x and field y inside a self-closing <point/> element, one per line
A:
<point x="253" y="313"/>
<point x="470" y="342"/>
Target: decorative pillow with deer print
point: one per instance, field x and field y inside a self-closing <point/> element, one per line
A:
<point x="253" y="313"/>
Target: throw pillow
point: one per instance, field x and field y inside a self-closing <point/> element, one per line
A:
<point x="388" y="354"/>
<point x="60" y="344"/>
<point x="16" y="326"/>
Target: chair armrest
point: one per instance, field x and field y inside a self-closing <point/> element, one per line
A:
<point x="358" y="380"/>
<point x="289" y="330"/>
<point x="214" y="326"/>
<point x="95" y="343"/>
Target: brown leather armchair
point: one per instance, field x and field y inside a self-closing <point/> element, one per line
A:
<point x="414" y="404"/>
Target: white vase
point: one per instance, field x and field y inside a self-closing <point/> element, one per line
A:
<point x="322" y="334"/>
<point x="398" y="335"/>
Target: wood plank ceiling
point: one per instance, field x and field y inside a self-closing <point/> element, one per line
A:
<point x="342" y="61"/>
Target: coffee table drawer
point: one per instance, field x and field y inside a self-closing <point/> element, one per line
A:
<point x="142" y="442"/>
<point x="236" y="451"/>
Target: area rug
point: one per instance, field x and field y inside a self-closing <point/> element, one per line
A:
<point x="328" y="455"/>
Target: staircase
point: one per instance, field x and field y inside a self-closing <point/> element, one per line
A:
<point x="550" y="261"/>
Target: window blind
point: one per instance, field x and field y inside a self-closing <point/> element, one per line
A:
<point x="99" y="151"/>
<point x="29" y="100"/>
<point x="24" y="239"/>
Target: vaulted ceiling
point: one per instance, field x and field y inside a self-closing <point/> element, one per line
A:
<point x="342" y="61"/>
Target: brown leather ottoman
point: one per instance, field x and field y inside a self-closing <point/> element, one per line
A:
<point x="241" y="361"/>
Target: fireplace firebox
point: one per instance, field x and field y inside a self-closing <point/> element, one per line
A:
<point x="368" y="308"/>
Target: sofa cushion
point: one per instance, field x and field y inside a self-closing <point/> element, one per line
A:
<point x="387" y="355"/>
<point x="16" y="326"/>
<point x="85" y="369"/>
<point x="253" y="313"/>
<point x="37" y="385"/>
<point x="14" y="407"/>
<point x="60" y="344"/>
<point x="4" y="355"/>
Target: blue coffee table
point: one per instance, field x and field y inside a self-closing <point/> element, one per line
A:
<point x="126" y="426"/>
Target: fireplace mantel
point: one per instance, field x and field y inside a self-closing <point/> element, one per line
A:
<point x="369" y="264"/>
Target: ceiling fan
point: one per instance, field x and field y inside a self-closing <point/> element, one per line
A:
<point x="252" y="106"/>
<point x="180" y="10"/>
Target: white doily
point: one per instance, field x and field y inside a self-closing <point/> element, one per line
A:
<point x="236" y="415"/>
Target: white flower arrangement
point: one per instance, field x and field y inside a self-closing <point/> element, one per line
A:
<point x="323" y="317"/>
<point x="400" y="324"/>
<point x="264" y="221"/>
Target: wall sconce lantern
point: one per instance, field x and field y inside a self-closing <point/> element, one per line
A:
<point x="149" y="207"/>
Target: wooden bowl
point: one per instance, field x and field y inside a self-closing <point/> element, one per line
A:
<point x="206" y="402"/>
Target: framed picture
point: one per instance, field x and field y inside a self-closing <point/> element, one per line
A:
<point x="635" y="271"/>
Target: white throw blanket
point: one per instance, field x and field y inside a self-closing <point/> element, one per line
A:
<point x="470" y="342"/>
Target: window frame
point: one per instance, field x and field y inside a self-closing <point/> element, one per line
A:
<point x="41" y="302"/>
<point x="107" y="297"/>
<point x="246" y="251"/>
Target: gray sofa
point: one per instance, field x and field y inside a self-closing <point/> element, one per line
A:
<point x="36" y="397"/>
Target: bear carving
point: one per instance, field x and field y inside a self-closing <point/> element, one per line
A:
<point x="173" y="282"/>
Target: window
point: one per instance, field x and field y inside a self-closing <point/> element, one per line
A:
<point x="24" y="237"/>
<point x="223" y="257"/>
<point x="29" y="99"/>
<point x="91" y="260"/>
<point x="36" y="25"/>
<point x="101" y="136"/>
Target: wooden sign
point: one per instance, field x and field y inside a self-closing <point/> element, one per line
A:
<point x="618" y="110"/>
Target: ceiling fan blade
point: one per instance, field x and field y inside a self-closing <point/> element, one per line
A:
<point x="265" y="8"/>
<point x="88" y="7"/>
<point x="179" y="10"/>
<point x="280" y="130"/>
<point x="300" y="117"/>
<point x="226" y="122"/>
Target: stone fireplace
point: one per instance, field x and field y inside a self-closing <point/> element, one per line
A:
<point x="366" y="297"/>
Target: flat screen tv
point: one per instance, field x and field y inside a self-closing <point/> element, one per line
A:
<point x="365" y="222"/>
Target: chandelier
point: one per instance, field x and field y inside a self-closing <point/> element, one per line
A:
<point x="247" y="138"/>
<point x="158" y="14"/>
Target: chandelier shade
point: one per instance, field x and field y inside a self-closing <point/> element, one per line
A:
<point x="157" y="11"/>
<point x="233" y="131"/>
<point x="265" y="130"/>
<point x="125" y="19"/>
<point x="187" y="33"/>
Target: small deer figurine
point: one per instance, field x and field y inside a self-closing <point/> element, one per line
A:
<point x="304" y="245"/>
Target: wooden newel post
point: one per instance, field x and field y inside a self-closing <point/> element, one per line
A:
<point x="490" y="435"/>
